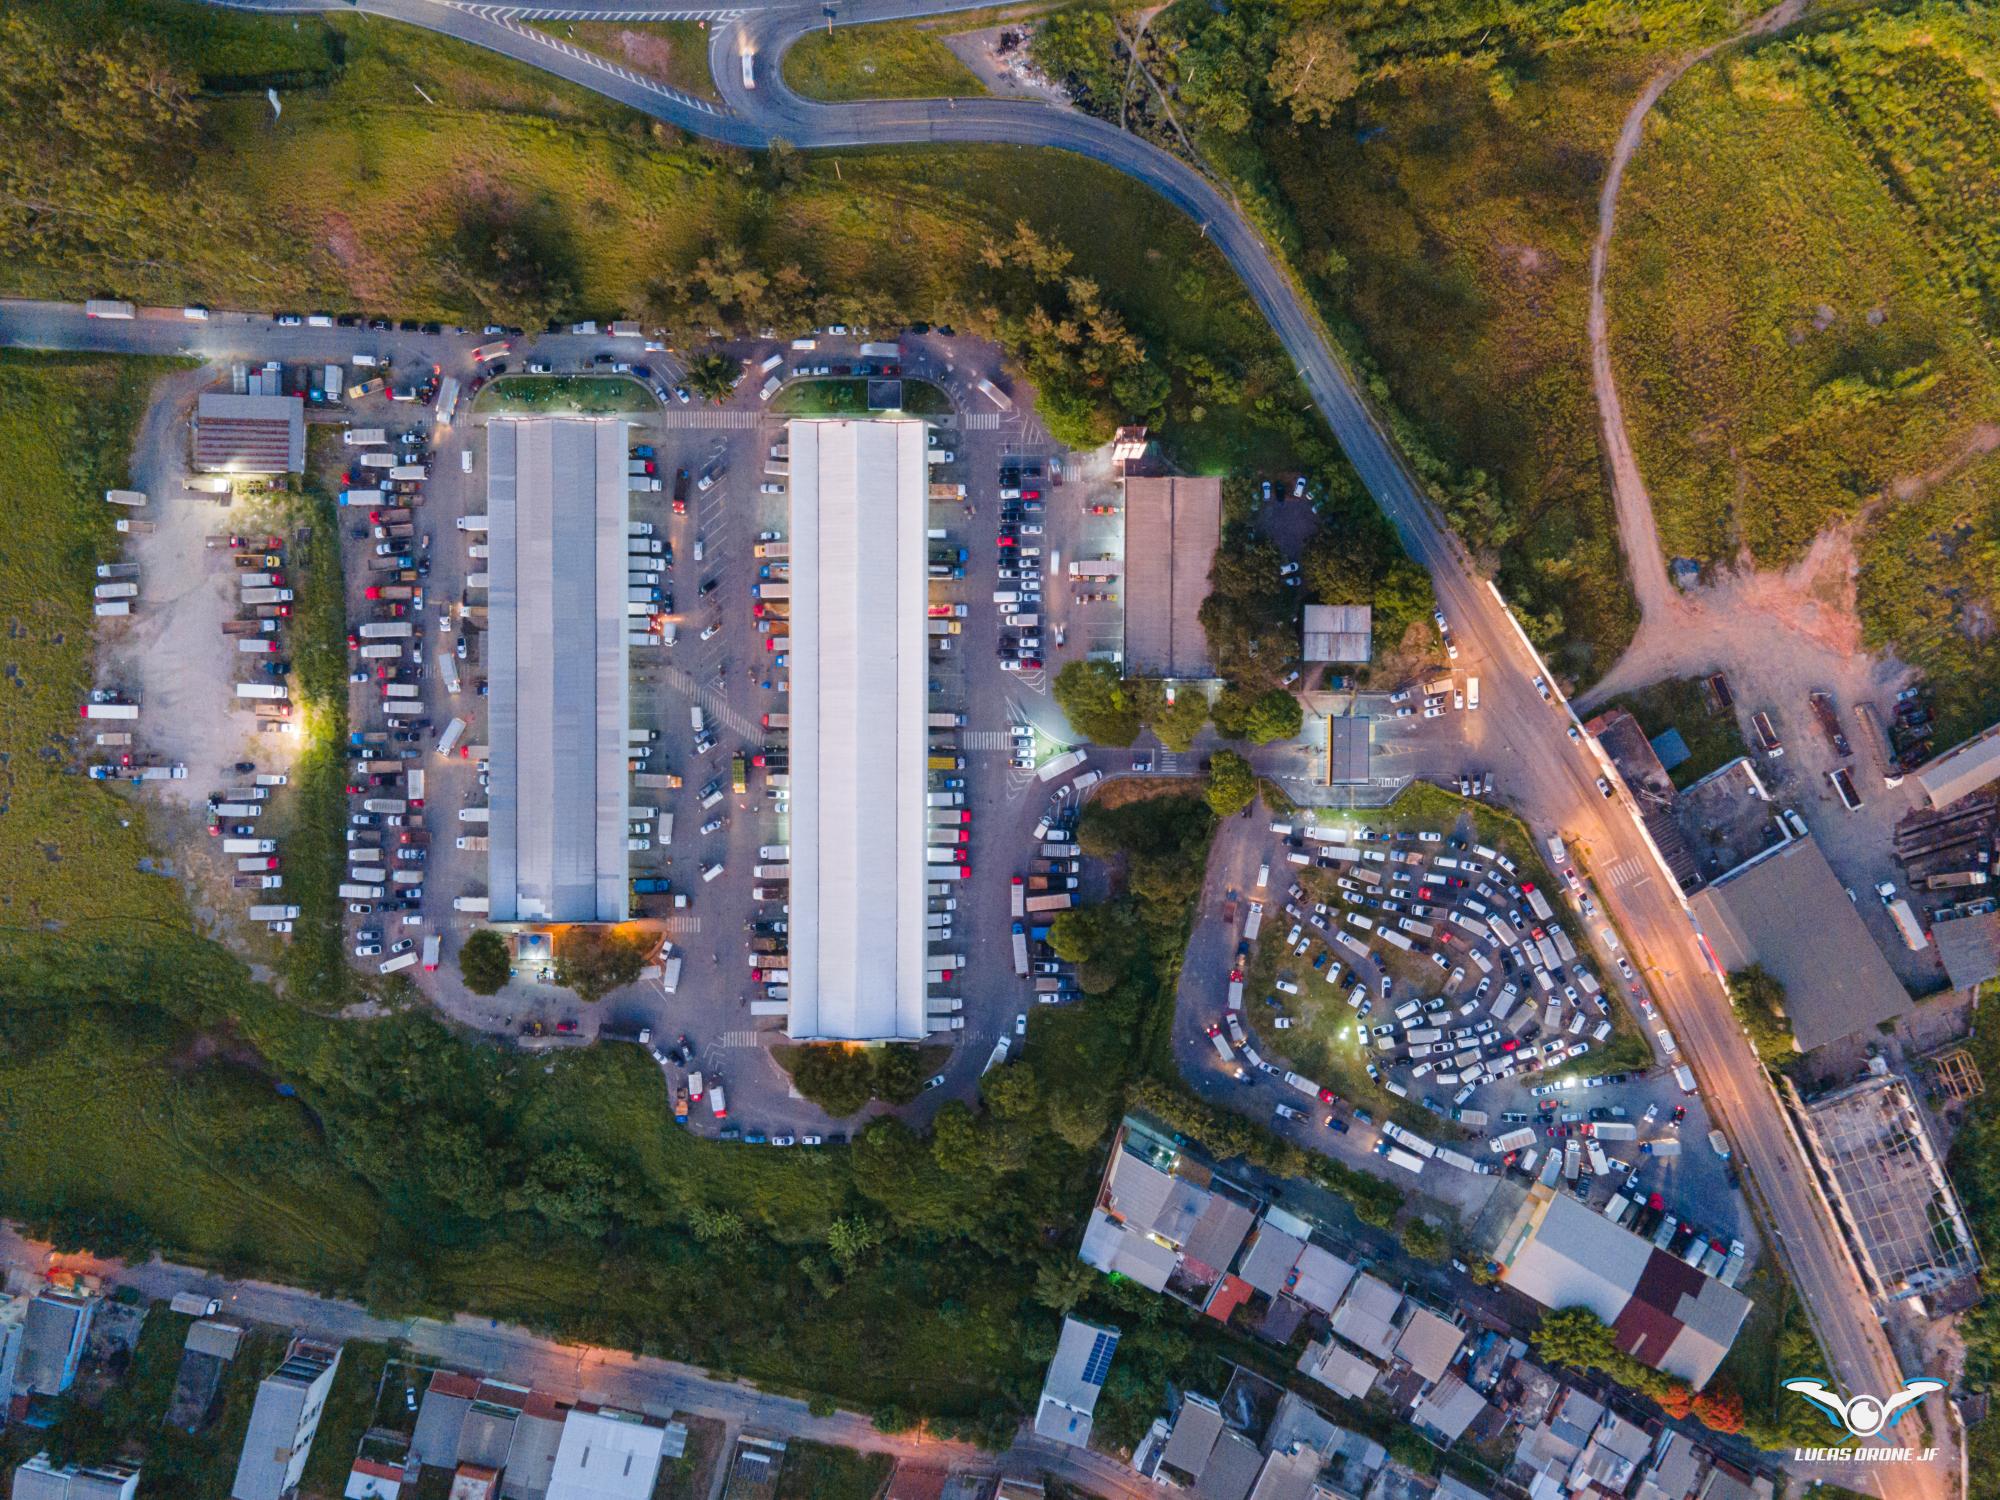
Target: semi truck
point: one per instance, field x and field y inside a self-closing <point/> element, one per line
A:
<point x="1060" y="765"/>
<point x="1767" y="734"/>
<point x="1829" y="723"/>
<point x="1914" y="936"/>
<point x="1062" y="902"/>
<point x="1020" y="950"/>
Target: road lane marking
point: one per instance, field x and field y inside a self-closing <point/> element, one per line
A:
<point x="503" y="17"/>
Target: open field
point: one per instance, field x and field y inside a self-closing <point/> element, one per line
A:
<point x="72" y="851"/>
<point x="1449" y="245"/>
<point x="891" y="61"/>
<point x="517" y="197"/>
<point x="671" y="52"/>
<point x="1789" y="347"/>
<point x="814" y="1471"/>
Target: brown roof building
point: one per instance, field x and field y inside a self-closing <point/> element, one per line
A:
<point x="250" y="434"/>
<point x="1172" y="528"/>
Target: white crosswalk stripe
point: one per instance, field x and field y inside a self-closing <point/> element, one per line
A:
<point x="503" y="16"/>
<point x="1169" y="762"/>
<point x="986" y="739"/>
<point x="1626" y="870"/>
<point x="573" y="13"/>
<point x="688" y="926"/>
<point x="734" y="421"/>
<point x="737" y="1039"/>
<point x="980" y="421"/>
<point x="713" y="703"/>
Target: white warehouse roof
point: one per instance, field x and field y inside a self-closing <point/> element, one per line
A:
<point x="558" y="703"/>
<point x="859" y="695"/>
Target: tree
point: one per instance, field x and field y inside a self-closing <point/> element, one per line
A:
<point x="1426" y="1241"/>
<point x="840" y="1080"/>
<point x="1759" y="998"/>
<point x="1232" y="785"/>
<point x="1315" y="71"/>
<point x="1718" y="1410"/>
<point x="512" y="262"/>
<point x="1575" y="1336"/>
<point x="899" y="1074"/>
<point x="1092" y="697"/>
<point x="1061" y="1284"/>
<point x="1267" y="716"/>
<point x="594" y="961"/>
<point x="484" y="963"/>
<point x="1012" y="1093"/>
<point x="712" y="375"/>
<point x="847" y="1240"/>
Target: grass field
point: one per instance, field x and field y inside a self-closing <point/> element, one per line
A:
<point x="891" y="61"/>
<point x="1712" y="739"/>
<point x="1788" y="346"/>
<point x="671" y="52"/>
<point x="625" y="218"/>
<point x="815" y="1471"/>
<point x="816" y="398"/>
<point x="72" y="851"/>
<point x="565" y="393"/>
<point x="1447" y="235"/>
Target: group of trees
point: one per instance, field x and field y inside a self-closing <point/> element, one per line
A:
<point x="1759" y="998"/>
<point x="840" y="1080"/>
<point x="592" y="961"/>
<point x="513" y="260"/>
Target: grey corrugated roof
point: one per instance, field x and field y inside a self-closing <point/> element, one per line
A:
<point x="1970" y="948"/>
<point x="48" y="1333"/>
<point x="210" y="1337"/>
<point x="1338" y="632"/>
<point x="558" y="700"/>
<point x="1963" y="769"/>
<point x="1172" y="528"/>
<point x="859" y="742"/>
<point x="1790" y="913"/>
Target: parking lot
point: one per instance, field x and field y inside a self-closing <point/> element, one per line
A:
<point x="721" y="663"/>
<point x="1302" y="1047"/>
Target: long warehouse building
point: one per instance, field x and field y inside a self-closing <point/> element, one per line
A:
<point x="558" y="695"/>
<point x="859" y="696"/>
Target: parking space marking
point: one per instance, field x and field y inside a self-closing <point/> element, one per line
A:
<point x="713" y="703"/>
<point x="504" y="17"/>
<point x="722" y="418"/>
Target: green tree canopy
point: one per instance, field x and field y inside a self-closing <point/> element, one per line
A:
<point x="484" y="963"/>
<point x="712" y="375"/>
<point x="840" y="1080"/>
<point x="594" y="961"/>
<point x="1092" y="697"/>
<point x="1315" y="71"/>
<point x="1577" y="1337"/>
<point x="1759" y="998"/>
<point x="1232" y="785"/>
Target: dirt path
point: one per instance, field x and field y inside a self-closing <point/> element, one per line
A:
<point x="1638" y="533"/>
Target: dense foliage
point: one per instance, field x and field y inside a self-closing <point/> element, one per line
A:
<point x="1759" y="998"/>
<point x="484" y="963"/>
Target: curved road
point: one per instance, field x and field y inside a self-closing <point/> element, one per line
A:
<point x="1556" y="779"/>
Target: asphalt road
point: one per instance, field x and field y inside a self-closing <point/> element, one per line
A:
<point x="1555" y="781"/>
<point x="573" y="1371"/>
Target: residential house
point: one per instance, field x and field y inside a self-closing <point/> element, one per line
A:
<point x="1443" y="1412"/>
<point x="54" y="1331"/>
<point x="13" y="1332"/>
<point x="1076" y="1375"/>
<point x="1164" y="1220"/>
<point x="465" y="1420"/>
<point x="1664" y="1313"/>
<point x="284" y="1422"/>
<point x="607" y="1454"/>
<point x="39" y="1479"/>
<point x="211" y="1346"/>
<point x="371" y="1479"/>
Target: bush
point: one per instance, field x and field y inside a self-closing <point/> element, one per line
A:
<point x="1232" y="785"/>
<point x="594" y="962"/>
<point x="1092" y="697"/>
<point x="484" y="963"/>
<point x="1426" y="1241"/>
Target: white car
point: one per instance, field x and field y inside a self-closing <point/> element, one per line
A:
<point x="711" y="630"/>
<point x="1428" y="837"/>
<point x="1433" y="713"/>
<point x="1010" y="664"/>
<point x="1603" y="787"/>
<point x="1405" y="712"/>
<point x="1285" y="987"/>
<point x="1021" y="1024"/>
<point x="712" y="825"/>
<point x="367" y="950"/>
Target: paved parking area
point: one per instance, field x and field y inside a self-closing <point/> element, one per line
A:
<point x="737" y="683"/>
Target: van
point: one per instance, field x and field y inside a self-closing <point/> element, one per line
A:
<point x="1471" y="693"/>
<point x="709" y="872"/>
<point x="400" y="961"/>
<point x="453" y="733"/>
